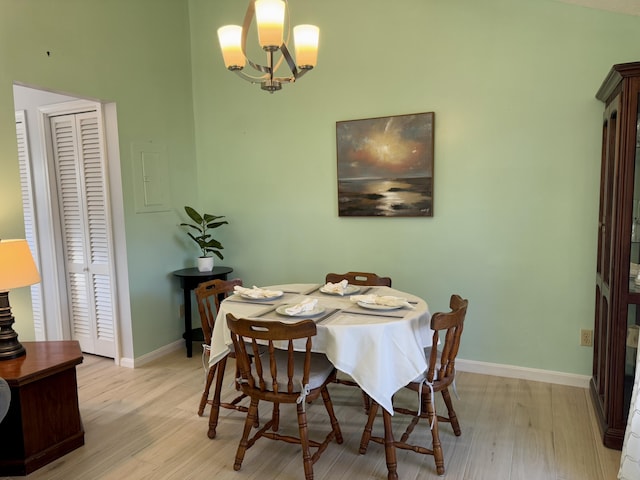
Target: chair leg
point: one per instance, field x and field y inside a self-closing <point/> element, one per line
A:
<point x="452" y="413"/>
<point x="275" y="417"/>
<point x="389" y="447"/>
<point x="366" y="434"/>
<point x="366" y="401"/>
<point x="215" y="405"/>
<point x="437" y="447"/>
<point x="335" y="426"/>
<point x="233" y="405"/>
<point x="244" y="441"/>
<point x="304" y="442"/>
<point x="205" y="395"/>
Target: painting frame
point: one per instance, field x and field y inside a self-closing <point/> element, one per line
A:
<point x="385" y="166"/>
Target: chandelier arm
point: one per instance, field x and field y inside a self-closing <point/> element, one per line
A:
<point x="290" y="79"/>
<point x="287" y="56"/>
<point x="250" y="78"/>
<point x="283" y="47"/>
<point x="277" y="65"/>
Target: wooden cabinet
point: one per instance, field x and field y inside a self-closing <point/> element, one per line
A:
<point x="617" y="294"/>
<point x="43" y="422"/>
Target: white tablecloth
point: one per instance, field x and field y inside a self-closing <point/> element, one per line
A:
<point x="381" y="350"/>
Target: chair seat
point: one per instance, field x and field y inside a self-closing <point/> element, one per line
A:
<point x="420" y="378"/>
<point x="427" y="354"/>
<point x="321" y="369"/>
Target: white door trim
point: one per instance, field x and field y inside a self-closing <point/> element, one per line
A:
<point x="119" y="272"/>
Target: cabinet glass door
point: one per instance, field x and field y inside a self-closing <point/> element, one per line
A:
<point x="633" y="312"/>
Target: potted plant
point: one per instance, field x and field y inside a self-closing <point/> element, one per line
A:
<point x="208" y="245"/>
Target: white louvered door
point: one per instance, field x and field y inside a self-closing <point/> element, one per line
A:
<point x="24" y="162"/>
<point x="80" y="177"/>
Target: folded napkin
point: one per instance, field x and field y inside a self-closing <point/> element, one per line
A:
<point x="387" y="300"/>
<point x="338" y="288"/>
<point x="256" y="292"/>
<point x="307" y="305"/>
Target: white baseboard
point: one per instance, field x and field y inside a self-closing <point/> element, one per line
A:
<point x="126" y="362"/>
<point x="462" y="365"/>
<point x="154" y="355"/>
<point x="524" y="373"/>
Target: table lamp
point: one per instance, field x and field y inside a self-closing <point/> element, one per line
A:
<point x="17" y="269"/>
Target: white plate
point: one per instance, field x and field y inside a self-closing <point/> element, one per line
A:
<point x="311" y="313"/>
<point x="375" y="306"/>
<point x="259" y="299"/>
<point x="350" y="290"/>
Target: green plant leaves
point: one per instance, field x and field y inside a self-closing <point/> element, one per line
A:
<point x="195" y="216"/>
<point x="203" y="223"/>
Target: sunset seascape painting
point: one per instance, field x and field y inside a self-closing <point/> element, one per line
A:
<point x="385" y="166"/>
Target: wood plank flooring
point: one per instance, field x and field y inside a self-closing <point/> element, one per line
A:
<point x="142" y="424"/>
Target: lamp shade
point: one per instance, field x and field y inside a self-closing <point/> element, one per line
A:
<point x="270" y="20"/>
<point x="230" y="38"/>
<point x="17" y="268"/>
<point x="305" y="38"/>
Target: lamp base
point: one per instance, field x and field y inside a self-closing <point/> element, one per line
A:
<point x="10" y="347"/>
<point x="14" y="351"/>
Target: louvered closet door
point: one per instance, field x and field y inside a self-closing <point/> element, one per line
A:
<point x="24" y="162"/>
<point x="79" y="163"/>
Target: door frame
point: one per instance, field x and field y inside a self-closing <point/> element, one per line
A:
<point x="57" y="328"/>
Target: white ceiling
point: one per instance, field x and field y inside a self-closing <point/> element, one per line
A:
<point x="630" y="7"/>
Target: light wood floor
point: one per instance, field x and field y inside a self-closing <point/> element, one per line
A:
<point x="142" y="424"/>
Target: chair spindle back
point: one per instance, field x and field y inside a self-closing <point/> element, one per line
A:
<point x="443" y="369"/>
<point x="208" y="296"/>
<point x="248" y="336"/>
<point x="359" y="278"/>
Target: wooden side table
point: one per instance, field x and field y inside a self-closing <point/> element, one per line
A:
<point x="43" y="422"/>
<point x="190" y="278"/>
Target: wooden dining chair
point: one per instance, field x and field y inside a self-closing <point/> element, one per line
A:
<point x="282" y="376"/>
<point x="208" y="296"/>
<point x="437" y="378"/>
<point x="359" y="278"/>
<point x="362" y="279"/>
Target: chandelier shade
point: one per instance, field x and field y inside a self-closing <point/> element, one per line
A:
<point x="305" y="38"/>
<point x="230" y="38"/>
<point x="271" y="18"/>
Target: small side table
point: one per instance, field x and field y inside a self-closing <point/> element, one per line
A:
<point x="190" y="278"/>
<point x="43" y="422"/>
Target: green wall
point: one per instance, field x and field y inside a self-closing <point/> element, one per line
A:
<point x="517" y="142"/>
<point x="134" y="53"/>
<point x="517" y="136"/>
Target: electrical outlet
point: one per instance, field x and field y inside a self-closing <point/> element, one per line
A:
<point x="181" y="310"/>
<point x="586" y="337"/>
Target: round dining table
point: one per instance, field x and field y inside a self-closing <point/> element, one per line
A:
<point x="381" y="348"/>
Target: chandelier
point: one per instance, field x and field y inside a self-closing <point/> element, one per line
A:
<point x="270" y="20"/>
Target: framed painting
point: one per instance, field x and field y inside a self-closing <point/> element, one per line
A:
<point x="385" y="166"/>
